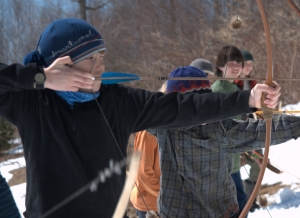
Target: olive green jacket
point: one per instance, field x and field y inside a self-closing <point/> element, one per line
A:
<point x="225" y="86"/>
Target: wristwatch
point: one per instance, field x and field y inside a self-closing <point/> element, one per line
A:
<point x="39" y="80"/>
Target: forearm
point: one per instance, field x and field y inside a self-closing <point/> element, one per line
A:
<point x="175" y="110"/>
<point x="250" y="135"/>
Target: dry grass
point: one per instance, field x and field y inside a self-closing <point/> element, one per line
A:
<point x="272" y="189"/>
<point x="19" y="176"/>
<point x="6" y="157"/>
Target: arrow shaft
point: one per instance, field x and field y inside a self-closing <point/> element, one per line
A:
<point x="162" y="78"/>
<point x="281" y="112"/>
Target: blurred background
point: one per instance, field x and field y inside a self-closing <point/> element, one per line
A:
<point x="152" y="38"/>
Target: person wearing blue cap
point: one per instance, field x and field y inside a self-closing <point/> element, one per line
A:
<point x="71" y="132"/>
<point x="196" y="161"/>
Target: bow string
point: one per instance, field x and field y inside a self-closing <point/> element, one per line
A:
<point x="268" y="112"/>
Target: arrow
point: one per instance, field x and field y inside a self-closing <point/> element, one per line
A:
<point x="109" y="78"/>
<point x="282" y="112"/>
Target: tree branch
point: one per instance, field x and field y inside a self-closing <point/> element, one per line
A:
<point x="97" y="7"/>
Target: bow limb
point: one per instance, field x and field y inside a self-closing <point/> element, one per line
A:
<point x="294" y="7"/>
<point x="268" y="113"/>
<point x="123" y="200"/>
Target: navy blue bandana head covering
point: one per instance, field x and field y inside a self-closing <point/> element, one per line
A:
<point x="72" y="97"/>
<point x="66" y="37"/>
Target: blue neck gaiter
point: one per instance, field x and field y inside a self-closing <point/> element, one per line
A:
<point x="72" y="97"/>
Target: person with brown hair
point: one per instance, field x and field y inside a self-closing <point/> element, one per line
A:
<point x="230" y="63"/>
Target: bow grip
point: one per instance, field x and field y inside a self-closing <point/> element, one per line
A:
<point x="268" y="112"/>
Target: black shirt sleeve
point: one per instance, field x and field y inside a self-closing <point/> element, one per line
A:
<point x="166" y="111"/>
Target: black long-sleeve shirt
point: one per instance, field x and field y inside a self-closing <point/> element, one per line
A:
<point x="66" y="147"/>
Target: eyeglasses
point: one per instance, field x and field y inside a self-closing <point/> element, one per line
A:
<point x="234" y="64"/>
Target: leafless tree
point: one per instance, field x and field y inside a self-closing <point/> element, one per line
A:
<point x="83" y="7"/>
<point x="151" y="38"/>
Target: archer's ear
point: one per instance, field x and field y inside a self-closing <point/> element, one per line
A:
<point x="221" y="68"/>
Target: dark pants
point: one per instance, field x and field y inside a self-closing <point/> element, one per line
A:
<point x="8" y="207"/>
<point x="249" y="187"/>
<point x="141" y="214"/>
<point x="241" y="195"/>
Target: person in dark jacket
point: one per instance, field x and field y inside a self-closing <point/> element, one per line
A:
<point x="8" y="207"/>
<point x="69" y="136"/>
<point x="58" y="69"/>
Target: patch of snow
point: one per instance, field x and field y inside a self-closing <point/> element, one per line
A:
<point x="16" y="150"/>
<point x="9" y="165"/>
<point x="286" y="157"/>
<point x="18" y="191"/>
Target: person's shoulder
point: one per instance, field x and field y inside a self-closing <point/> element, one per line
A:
<point x="145" y="133"/>
<point x="216" y="86"/>
<point x="217" y="82"/>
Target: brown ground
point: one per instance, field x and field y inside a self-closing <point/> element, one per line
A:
<point x="272" y="189"/>
<point x="19" y="176"/>
<point x="5" y="157"/>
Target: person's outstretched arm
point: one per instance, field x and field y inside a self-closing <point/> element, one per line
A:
<point x="250" y="135"/>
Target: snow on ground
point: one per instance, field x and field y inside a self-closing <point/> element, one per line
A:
<point x="9" y="165"/>
<point x="286" y="156"/>
<point x="18" y="191"/>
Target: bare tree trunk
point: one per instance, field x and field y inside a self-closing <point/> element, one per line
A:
<point x="82" y="9"/>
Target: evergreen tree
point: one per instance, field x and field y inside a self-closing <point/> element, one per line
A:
<point x="7" y="133"/>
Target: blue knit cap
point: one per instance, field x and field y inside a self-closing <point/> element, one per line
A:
<point x="188" y="86"/>
<point x="66" y="37"/>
